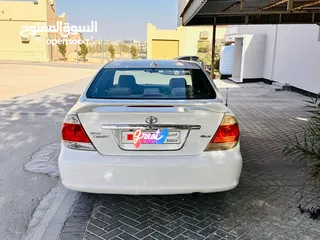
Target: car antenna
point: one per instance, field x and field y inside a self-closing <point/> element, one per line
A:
<point x="227" y="97"/>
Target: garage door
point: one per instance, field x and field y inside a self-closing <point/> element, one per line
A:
<point x="165" y="49"/>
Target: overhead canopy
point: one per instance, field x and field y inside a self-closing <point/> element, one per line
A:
<point x="228" y="12"/>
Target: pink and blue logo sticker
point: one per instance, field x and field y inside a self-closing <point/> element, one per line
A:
<point x="157" y="137"/>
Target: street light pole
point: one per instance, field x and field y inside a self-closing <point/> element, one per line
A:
<point x="78" y="51"/>
<point x="102" y="51"/>
<point x="213" y="46"/>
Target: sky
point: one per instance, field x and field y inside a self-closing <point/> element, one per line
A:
<point x="120" y="19"/>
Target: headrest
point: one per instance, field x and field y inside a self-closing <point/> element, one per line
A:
<point x="178" y="92"/>
<point x="177" y="83"/>
<point x="127" y="81"/>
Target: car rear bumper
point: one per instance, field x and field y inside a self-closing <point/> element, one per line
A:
<point x="92" y="172"/>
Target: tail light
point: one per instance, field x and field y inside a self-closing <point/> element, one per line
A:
<point x="74" y="136"/>
<point x="227" y="135"/>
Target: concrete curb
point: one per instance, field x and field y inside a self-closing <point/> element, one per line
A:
<point x="51" y="225"/>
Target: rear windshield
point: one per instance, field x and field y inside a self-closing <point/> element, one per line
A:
<point x="151" y="84"/>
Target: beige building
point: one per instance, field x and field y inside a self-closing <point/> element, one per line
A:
<point x="16" y="14"/>
<point x="168" y="44"/>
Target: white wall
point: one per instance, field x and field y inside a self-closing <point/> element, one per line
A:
<point x="270" y="32"/>
<point x="237" y="61"/>
<point x="292" y="53"/>
<point x="249" y="51"/>
<point x="231" y="33"/>
<point x="254" y="52"/>
<point x="297" y="59"/>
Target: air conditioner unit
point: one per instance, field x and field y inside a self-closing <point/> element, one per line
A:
<point x="204" y="35"/>
<point x="25" y="39"/>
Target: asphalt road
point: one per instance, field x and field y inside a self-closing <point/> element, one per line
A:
<point x="27" y="124"/>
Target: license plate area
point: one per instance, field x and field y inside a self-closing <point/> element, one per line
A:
<point x="151" y="137"/>
<point x="175" y="140"/>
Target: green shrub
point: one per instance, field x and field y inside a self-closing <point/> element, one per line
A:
<point x="112" y="51"/>
<point x="306" y="147"/>
<point x="83" y="50"/>
<point x="203" y="47"/>
<point x="205" y="55"/>
<point x="63" y="50"/>
<point x="134" y="52"/>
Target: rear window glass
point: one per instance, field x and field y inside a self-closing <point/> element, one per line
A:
<point x="185" y="58"/>
<point x="151" y="84"/>
<point x="194" y="58"/>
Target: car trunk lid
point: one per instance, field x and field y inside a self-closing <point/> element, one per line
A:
<point x="174" y="128"/>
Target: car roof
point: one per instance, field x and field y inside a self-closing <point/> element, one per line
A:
<point x="147" y="63"/>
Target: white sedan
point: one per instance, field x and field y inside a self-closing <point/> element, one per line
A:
<point x="150" y="127"/>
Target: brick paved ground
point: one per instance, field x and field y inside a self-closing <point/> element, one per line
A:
<point x="263" y="206"/>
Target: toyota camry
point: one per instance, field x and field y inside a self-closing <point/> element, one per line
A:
<point x="150" y="127"/>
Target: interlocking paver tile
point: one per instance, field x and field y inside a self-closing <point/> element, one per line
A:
<point x="99" y="223"/>
<point x="129" y="229"/>
<point x="263" y="206"/>
<point x="160" y="236"/>
<point x="224" y="234"/>
<point x="160" y="228"/>
<point x="129" y="222"/>
<point x="102" y="217"/>
<point x="97" y="231"/>
<point x="208" y="231"/>
<point x="245" y="237"/>
<point x="115" y="238"/>
<point x="145" y="232"/>
<point x="214" y="237"/>
<point x="113" y="226"/>
<point x="191" y="227"/>
<point x="144" y="225"/>
<point x="112" y="234"/>
<point x="126" y="236"/>
<point x="193" y="235"/>
<point x="149" y="238"/>
<point x="182" y="237"/>
<point x="176" y="232"/>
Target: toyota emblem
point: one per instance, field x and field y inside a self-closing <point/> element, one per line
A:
<point x="151" y="120"/>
